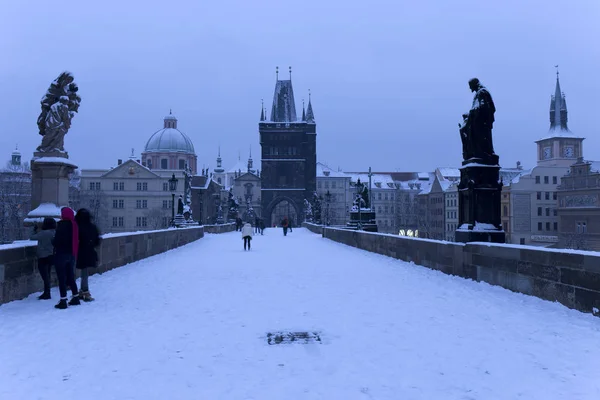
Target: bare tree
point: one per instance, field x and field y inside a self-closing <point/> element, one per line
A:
<point x="156" y="217"/>
<point x="96" y="202"/>
<point x="15" y="201"/>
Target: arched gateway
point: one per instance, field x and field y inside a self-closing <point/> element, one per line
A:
<point x="281" y="208"/>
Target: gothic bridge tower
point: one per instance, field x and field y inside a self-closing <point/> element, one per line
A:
<point x="288" y="156"/>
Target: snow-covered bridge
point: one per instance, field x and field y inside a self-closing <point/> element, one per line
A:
<point x="192" y="323"/>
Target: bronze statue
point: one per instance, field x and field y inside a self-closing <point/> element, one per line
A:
<point x="180" y="205"/>
<point x="59" y="105"/>
<point x="476" y="129"/>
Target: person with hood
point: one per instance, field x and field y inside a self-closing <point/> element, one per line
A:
<point x="89" y="239"/>
<point x="247" y="234"/>
<point x="66" y="246"/>
<point x="45" y="252"/>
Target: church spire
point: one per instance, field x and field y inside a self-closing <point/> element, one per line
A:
<point x="558" y="108"/>
<point x="250" y="162"/>
<point x="219" y="168"/>
<point x="310" y="116"/>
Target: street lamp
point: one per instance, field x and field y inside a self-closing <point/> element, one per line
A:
<point x="328" y="200"/>
<point x="173" y="188"/>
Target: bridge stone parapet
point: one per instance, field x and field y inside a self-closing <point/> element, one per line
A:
<point x="18" y="262"/>
<point x="222" y="228"/>
<point x="568" y="276"/>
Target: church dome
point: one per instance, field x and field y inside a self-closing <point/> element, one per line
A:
<point x="169" y="139"/>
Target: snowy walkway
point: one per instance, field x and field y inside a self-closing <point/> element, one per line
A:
<point x="191" y="324"/>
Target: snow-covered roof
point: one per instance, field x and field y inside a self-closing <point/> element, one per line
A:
<point x="517" y="177"/>
<point x="595" y="166"/>
<point x="323" y="171"/>
<point x="382" y="179"/>
<point x="449" y="172"/>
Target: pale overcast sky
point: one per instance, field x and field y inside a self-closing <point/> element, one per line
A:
<point x="389" y="78"/>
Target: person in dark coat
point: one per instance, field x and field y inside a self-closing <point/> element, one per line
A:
<point x="285" y="224"/>
<point x="262" y="226"/>
<point x="87" y="257"/>
<point x="45" y="252"/>
<point x="66" y="246"/>
<point x="256" y="225"/>
<point x="290" y="223"/>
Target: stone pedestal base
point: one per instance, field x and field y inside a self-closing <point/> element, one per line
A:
<point x="479" y="201"/>
<point x="49" y="185"/>
<point x="466" y="236"/>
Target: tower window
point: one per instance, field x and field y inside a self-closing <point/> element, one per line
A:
<point x="181" y="164"/>
<point x="164" y="163"/>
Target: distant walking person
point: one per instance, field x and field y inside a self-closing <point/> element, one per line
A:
<point x="66" y="246"/>
<point x="45" y="252"/>
<point x="290" y="224"/>
<point x="285" y="225"/>
<point x="256" y="225"/>
<point x="247" y="235"/>
<point x="89" y="239"/>
<point x="262" y="226"/>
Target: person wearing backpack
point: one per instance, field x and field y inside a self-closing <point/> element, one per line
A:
<point x="247" y="235"/>
<point x="45" y="252"/>
<point x="87" y="257"/>
<point x="66" y="246"/>
<point x="285" y="224"/>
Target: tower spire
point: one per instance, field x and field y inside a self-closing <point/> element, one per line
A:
<point x="276" y="73"/>
<point x="310" y="116"/>
<point x="558" y="107"/>
<point x="219" y="169"/>
<point x="290" y="73"/>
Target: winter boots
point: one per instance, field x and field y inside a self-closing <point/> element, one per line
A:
<point x="45" y="296"/>
<point x="75" y="301"/>
<point x="62" y="304"/>
<point x="86" y="296"/>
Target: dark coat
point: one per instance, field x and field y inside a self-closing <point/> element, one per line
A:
<point x="89" y="239"/>
<point x="63" y="238"/>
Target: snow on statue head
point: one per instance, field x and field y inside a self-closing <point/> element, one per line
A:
<point x="59" y="105"/>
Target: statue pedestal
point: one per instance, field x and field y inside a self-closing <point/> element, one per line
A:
<point x="479" y="201"/>
<point x="49" y="185"/>
<point x="365" y="220"/>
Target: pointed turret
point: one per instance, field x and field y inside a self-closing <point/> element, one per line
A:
<point x="303" y="112"/>
<point x="558" y="109"/>
<point x="262" y="110"/>
<point x="219" y="169"/>
<point x="284" y="107"/>
<point x="310" y="116"/>
<point x="16" y="157"/>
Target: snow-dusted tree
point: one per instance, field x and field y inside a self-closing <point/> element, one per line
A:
<point x="308" y="212"/>
<point x="316" y="208"/>
<point x="575" y="241"/>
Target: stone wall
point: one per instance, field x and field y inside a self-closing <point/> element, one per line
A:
<point x="571" y="278"/>
<point x="18" y="265"/>
<point x="223" y="228"/>
<point x="314" y="228"/>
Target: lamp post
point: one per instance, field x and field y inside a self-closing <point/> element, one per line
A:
<point x="173" y="188"/>
<point x="359" y="189"/>
<point x="327" y="200"/>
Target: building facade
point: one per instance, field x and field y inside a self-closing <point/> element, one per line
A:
<point x="579" y="207"/>
<point x="337" y="184"/>
<point x="288" y="157"/>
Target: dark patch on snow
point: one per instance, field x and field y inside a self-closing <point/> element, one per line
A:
<point x="293" y="337"/>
